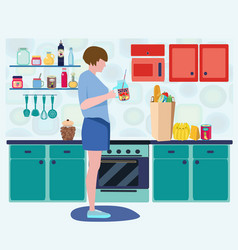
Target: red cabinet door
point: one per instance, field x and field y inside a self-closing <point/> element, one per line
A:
<point x="183" y="62"/>
<point x="147" y="50"/>
<point x="214" y="65"/>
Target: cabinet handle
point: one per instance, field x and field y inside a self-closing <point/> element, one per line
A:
<point x="53" y="162"/>
<point x="41" y="162"/>
<point x="27" y="151"/>
<point x="205" y="73"/>
<point x="210" y="151"/>
<point x="160" y="69"/>
<point x="67" y="151"/>
<point x="197" y="162"/>
<point x="171" y="151"/>
<point x="147" y="53"/>
<point x="184" y="161"/>
<point x="191" y="73"/>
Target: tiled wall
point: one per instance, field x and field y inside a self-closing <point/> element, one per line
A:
<point x="196" y="103"/>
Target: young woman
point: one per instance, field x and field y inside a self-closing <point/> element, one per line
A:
<point x="93" y="96"/>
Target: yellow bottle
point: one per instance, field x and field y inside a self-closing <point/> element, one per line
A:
<point x="49" y="59"/>
<point x="73" y="83"/>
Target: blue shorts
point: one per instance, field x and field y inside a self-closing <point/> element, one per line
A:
<point x="95" y="134"/>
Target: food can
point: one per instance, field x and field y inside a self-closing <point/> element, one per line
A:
<point x="206" y="131"/>
<point x="51" y="82"/>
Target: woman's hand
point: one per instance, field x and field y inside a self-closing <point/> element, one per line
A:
<point x="111" y="94"/>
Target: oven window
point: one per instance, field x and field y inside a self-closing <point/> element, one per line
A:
<point x="118" y="173"/>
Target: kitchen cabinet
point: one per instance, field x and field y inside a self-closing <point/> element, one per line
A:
<point x="47" y="173"/>
<point x="147" y="50"/>
<point x="27" y="179"/>
<point x="210" y="172"/>
<point x="214" y="63"/>
<point x="67" y="179"/>
<point x="197" y="172"/>
<point x="67" y="172"/>
<point x="210" y="179"/>
<point x="171" y="179"/>
<point x="170" y="172"/>
<point x="183" y="62"/>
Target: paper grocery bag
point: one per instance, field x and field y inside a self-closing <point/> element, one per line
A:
<point x="162" y="120"/>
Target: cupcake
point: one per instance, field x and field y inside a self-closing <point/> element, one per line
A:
<point x="67" y="130"/>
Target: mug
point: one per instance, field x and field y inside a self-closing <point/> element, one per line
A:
<point x="37" y="83"/>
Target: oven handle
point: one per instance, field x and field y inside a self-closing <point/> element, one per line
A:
<point x="118" y="161"/>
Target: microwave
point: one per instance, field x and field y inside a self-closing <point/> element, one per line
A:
<point x="148" y="69"/>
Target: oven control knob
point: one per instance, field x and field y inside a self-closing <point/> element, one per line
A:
<point x="137" y="151"/>
<point x="109" y="151"/>
<point x="118" y="151"/>
<point x="128" y="151"/>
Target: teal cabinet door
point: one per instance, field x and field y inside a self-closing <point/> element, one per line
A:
<point x="67" y="179"/>
<point x="210" y="179"/>
<point x="27" y="179"/>
<point x="171" y="179"/>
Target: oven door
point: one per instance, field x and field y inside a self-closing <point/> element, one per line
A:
<point x="123" y="173"/>
<point x="148" y="69"/>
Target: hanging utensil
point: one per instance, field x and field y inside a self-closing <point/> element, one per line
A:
<point x="26" y="111"/>
<point x="52" y="113"/>
<point x="35" y="112"/>
<point x="43" y="115"/>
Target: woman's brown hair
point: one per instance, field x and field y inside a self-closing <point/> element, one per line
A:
<point x="93" y="54"/>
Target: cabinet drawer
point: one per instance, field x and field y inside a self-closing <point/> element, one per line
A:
<point x="27" y="151"/>
<point x="170" y="151"/>
<point x="66" y="151"/>
<point x="210" y="151"/>
<point x="147" y="50"/>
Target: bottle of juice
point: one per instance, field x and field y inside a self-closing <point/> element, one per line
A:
<point x="64" y="79"/>
<point x="71" y="57"/>
<point x="61" y="54"/>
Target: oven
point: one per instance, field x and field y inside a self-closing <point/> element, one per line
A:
<point x="124" y="174"/>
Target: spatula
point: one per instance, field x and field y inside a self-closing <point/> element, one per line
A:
<point x="35" y="112"/>
<point x="52" y="113"/>
<point x="43" y="115"/>
<point x="26" y="111"/>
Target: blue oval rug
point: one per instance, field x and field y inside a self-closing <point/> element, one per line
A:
<point x="117" y="214"/>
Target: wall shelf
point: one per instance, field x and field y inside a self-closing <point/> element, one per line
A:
<point x="44" y="66"/>
<point x="44" y="89"/>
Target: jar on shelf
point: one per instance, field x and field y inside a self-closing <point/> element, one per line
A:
<point x="17" y="82"/>
<point x="23" y="56"/>
<point x="36" y="60"/>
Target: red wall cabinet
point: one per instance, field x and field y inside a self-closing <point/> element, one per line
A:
<point x="183" y="62"/>
<point x="214" y="63"/>
<point x="147" y="49"/>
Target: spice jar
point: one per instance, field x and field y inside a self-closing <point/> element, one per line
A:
<point x="51" y="82"/>
<point x="36" y="60"/>
<point x="67" y="130"/>
<point x="17" y="82"/>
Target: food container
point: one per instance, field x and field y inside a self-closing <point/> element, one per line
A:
<point x="36" y="60"/>
<point x="206" y="132"/>
<point x="67" y="130"/>
<point x="17" y="82"/>
<point x="23" y="56"/>
<point x="51" y="82"/>
<point x="123" y="94"/>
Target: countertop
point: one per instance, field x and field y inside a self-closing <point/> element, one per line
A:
<point x="124" y="142"/>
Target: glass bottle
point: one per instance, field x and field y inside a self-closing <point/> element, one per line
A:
<point x="64" y="78"/>
<point x="23" y="56"/>
<point x="61" y="54"/>
<point x="71" y="57"/>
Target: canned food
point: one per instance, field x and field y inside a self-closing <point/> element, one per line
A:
<point x="206" y="131"/>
